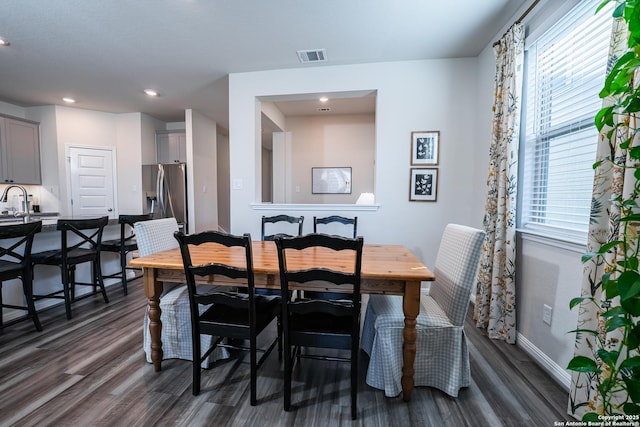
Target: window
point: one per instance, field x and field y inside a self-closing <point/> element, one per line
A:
<point x="565" y="71"/>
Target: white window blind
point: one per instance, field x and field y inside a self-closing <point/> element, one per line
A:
<point x="565" y="71"/>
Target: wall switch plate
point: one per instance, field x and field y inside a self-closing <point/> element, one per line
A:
<point x="546" y="314"/>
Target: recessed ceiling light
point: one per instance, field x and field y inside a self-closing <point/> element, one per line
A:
<point x="4" y="42"/>
<point x="150" y="92"/>
<point x="68" y="100"/>
<point x="324" y="99"/>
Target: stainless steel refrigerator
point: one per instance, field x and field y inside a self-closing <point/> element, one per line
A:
<point x="164" y="188"/>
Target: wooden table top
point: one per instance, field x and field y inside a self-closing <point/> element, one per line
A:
<point x="378" y="261"/>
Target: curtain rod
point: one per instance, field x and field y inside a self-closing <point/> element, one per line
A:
<point x="519" y="20"/>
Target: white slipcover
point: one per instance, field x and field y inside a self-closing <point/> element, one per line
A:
<point x="156" y="236"/>
<point x="442" y="357"/>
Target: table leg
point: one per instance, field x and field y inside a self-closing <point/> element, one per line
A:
<point x="153" y="290"/>
<point x="411" y="308"/>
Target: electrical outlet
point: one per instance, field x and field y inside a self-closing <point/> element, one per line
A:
<point x="546" y="314"/>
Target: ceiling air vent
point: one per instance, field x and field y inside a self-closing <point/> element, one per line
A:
<point x="314" y="55"/>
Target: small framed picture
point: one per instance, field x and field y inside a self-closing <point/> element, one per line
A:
<point x="425" y="147"/>
<point x="331" y="180"/>
<point x="423" y="185"/>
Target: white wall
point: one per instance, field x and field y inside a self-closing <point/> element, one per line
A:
<point x="330" y="141"/>
<point x="413" y="95"/>
<point x="224" y="184"/>
<point x="202" y="170"/>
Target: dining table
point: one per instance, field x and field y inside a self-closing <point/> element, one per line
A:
<point x="386" y="269"/>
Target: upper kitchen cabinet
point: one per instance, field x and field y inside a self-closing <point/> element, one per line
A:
<point x="19" y="152"/>
<point x="171" y="146"/>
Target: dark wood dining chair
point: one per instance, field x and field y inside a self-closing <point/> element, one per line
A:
<point x="336" y="219"/>
<point x="123" y="246"/>
<point x="80" y="242"/>
<point x="16" y="242"/>
<point x="293" y="220"/>
<point x="321" y="323"/>
<point x="322" y="225"/>
<point x="232" y="315"/>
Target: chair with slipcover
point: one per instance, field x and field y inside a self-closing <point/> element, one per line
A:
<point x="320" y="323"/>
<point x="442" y="356"/>
<point x="155" y="236"/>
<point x="228" y="313"/>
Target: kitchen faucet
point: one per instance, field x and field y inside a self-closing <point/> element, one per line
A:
<point x="26" y="218"/>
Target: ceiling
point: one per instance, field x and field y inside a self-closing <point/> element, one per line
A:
<point x="104" y="53"/>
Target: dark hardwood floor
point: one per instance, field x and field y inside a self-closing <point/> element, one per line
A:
<point x="91" y="371"/>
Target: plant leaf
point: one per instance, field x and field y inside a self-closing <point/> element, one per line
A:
<point x="630" y="363"/>
<point x="633" y="389"/>
<point x="582" y="364"/>
<point x="629" y="285"/>
<point x="592" y="416"/>
<point x="616" y="322"/>
<point x="578" y="301"/>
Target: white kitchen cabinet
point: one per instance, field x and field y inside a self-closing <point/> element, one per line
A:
<point x="19" y="152"/>
<point x="171" y="147"/>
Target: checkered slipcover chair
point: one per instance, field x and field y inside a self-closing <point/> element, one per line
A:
<point x="156" y="236"/>
<point x="442" y="357"/>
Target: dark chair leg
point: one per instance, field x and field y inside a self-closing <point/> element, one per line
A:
<point x="123" y="269"/>
<point x="27" y="285"/>
<point x="279" y="337"/>
<point x="354" y="383"/>
<point x="1" y="323"/>
<point x="68" y="295"/>
<point x="98" y="278"/>
<point x="253" y="372"/>
<point x="287" y="375"/>
<point x="197" y="363"/>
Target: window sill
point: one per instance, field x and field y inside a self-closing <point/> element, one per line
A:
<point x="555" y="241"/>
<point x="312" y="207"/>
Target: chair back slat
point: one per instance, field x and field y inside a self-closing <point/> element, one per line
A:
<point x="88" y="231"/>
<point x="16" y="236"/>
<point x="289" y="277"/>
<point x="281" y="218"/>
<point x="219" y="269"/>
<point x="336" y="219"/>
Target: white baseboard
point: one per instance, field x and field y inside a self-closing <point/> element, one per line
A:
<point x="561" y="375"/>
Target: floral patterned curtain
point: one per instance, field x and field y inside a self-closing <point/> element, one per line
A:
<point x="495" y="306"/>
<point x="609" y="182"/>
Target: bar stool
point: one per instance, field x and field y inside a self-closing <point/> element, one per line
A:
<point x="15" y="250"/>
<point x="125" y="245"/>
<point x="73" y="252"/>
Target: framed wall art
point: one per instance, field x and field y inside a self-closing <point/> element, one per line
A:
<point x="331" y="180"/>
<point x="425" y="147"/>
<point x="423" y="185"/>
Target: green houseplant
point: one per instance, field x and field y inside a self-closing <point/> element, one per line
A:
<point x="615" y="365"/>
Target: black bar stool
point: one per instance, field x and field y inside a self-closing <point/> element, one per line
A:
<point x="73" y="252"/>
<point x="125" y="245"/>
<point x="15" y="250"/>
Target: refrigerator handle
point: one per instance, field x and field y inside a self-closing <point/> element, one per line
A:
<point x="160" y="190"/>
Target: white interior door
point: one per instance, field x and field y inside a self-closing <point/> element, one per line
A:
<point x="91" y="179"/>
